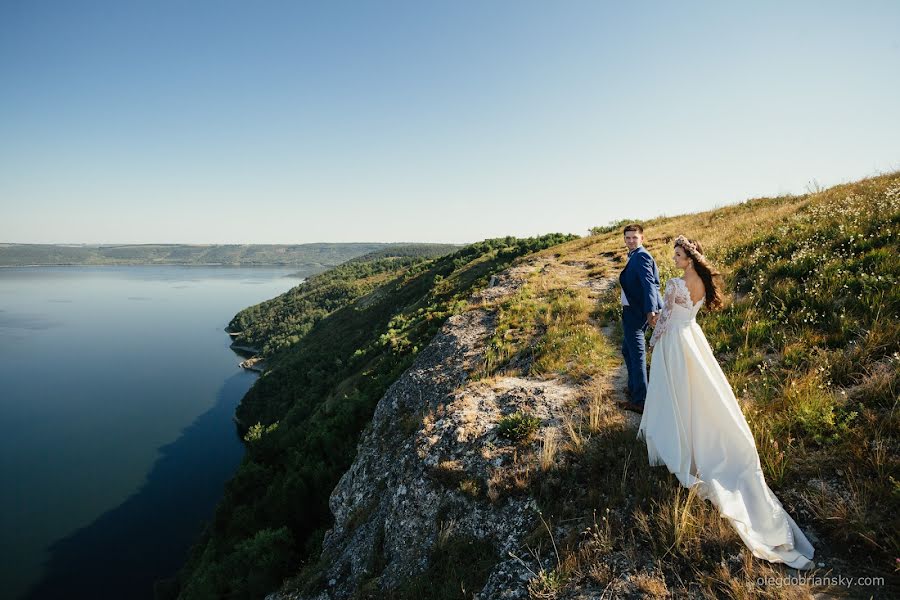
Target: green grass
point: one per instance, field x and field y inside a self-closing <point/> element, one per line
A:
<point x="546" y="329"/>
<point x="517" y="426"/>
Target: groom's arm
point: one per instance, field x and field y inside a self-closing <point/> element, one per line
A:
<point x="648" y="288"/>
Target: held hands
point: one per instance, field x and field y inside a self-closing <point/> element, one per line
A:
<point x="652" y="318"/>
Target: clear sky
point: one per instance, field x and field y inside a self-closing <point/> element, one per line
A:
<point x="428" y="120"/>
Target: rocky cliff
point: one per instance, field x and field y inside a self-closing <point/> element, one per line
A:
<point x="432" y="469"/>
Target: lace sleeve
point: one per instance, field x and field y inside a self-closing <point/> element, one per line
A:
<point x="668" y="302"/>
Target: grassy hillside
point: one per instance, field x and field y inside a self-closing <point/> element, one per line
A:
<point x="276" y="324"/>
<point x="810" y="341"/>
<point x="313" y="257"/>
<point x="310" y="407"/>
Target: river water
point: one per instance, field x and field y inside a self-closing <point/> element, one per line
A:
<point x="117" y="388"/>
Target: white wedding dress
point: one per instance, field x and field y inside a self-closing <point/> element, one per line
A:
<point x="693" y="424"/>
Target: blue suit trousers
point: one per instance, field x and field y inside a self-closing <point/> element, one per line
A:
<point x="634" y="324"/>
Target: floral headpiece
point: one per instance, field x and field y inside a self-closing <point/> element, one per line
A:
<point x="684" y="242"/>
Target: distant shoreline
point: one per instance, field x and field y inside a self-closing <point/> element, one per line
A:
<point x="289" y="266"/>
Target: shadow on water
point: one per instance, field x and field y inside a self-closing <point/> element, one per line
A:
<point x="147" y="537"/>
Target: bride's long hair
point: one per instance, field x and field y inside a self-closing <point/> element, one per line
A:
<point x="712" y="279"/>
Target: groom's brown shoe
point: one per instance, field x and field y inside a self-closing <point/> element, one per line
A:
<point x="631" y="406"/>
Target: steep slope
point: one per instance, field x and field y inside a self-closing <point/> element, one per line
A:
<point x="273" y="326"/>
<point x="439" y="488"/>
<point x="438" y="499"/>
<point x="304" y="415"/>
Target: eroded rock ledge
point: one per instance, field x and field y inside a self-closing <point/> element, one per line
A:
<point x="431" y="466"/>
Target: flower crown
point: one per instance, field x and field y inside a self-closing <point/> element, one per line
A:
<point x="685" y="243"/>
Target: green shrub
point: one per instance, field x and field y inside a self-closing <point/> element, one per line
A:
<point x="517" y="426"/>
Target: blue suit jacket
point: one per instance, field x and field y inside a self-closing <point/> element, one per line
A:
<point x="640" y="281"/>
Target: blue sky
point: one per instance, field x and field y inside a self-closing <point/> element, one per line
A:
<point x="435" y="121"/>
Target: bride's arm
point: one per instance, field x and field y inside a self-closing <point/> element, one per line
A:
<point x="661" y="322"/>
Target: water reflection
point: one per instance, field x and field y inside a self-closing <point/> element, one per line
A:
<point x="147" y="537"/>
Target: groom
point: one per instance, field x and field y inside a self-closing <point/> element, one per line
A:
<point x="641" y="303"/>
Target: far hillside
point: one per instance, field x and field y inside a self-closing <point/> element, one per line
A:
<point x="276" y="324"/>
<point x="309" y="257"/>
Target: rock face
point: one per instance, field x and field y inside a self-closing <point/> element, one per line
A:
<point x="431" y="465"/>
<point x="253" y="364"/>
<point x="389" y="480"/>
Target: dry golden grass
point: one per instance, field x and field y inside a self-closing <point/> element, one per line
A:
<point x="818" y="383"/>
<point x="651" y="585"/>
<point x="809" y="341"/>
<point x="601" y="413"/>
<point x="509" y="479"/>
<point x="549" y="447"/>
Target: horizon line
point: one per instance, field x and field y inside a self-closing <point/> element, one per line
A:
<point x="222" y="243"/>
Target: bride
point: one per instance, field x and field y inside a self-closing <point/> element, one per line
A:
<point x="693" y="424"/>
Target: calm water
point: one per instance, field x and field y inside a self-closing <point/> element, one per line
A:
<point x="117" y="388"/>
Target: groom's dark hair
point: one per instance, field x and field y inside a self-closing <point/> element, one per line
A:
<point x="633" y="227"/>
